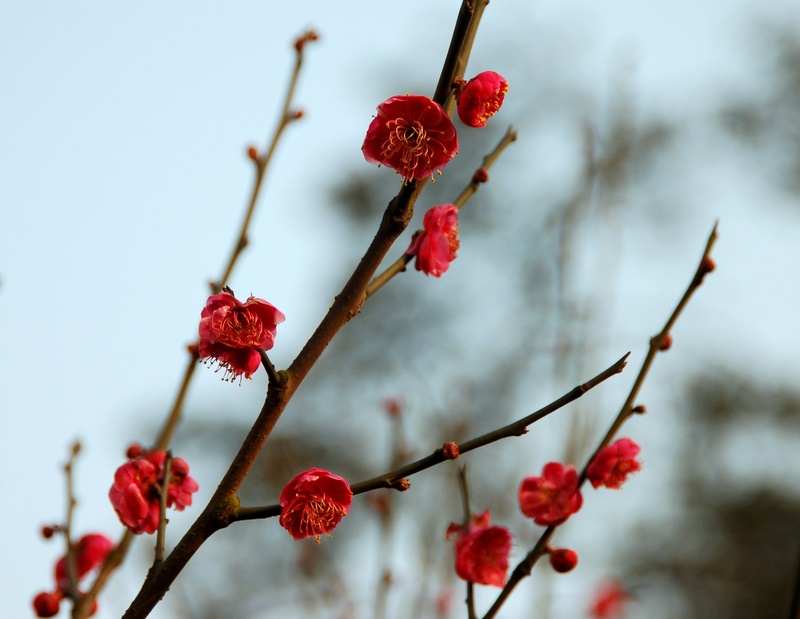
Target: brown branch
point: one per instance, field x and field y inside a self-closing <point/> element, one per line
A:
<point x="399" y="265"/>
<point x="523" y="569"/>
<point x="117" y="556"/>
<point x="72" y="567"/>
<point x="463" y="485"/>
<point x="161" y="536"/>
<point x="224" y="504"/>
<point x="396" y="478"/>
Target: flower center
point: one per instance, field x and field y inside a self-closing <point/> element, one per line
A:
<point x="241" y="329"/>
<point x="409" y="141"/>
<point x="320" y="515"/>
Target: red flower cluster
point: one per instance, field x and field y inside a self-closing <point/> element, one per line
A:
<point x="613" y="464"/>
<point x="436" y="247"/>
<point x="412" y="135"/>
<point x="553" y="497"/>
<point x="313" y="503"/>
<point x="136" y="491"/>
<point x="90" y="552"/>
<point x="481" y="550"/>
<point x="481" y="97"/>
<point x="233" y="332"/>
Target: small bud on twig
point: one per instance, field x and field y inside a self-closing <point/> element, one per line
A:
<point x="401" y="484"/>
<point x="563" y="560"/>
<point x="481" y="176"/>
<point x="252" y="153"/>
<point x="300" y="42"/>
<point x="639" y="409"/>
<point x="666" y="342"/>
<point x="707" y="265"/>
<point x="450" y="451"/>
<point x="50" y="531"/>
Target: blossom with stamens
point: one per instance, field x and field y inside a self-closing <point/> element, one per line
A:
<point x="553" y="497"/>
<point x="411" y="134"/>
<point x="232" y="332"/>
<point x="313" y="503"/>
<point x="481" y="97"/>
<point x="482" y="550"/>
<point x="436" y="247"/>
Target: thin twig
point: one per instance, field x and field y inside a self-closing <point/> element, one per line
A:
<point x="117" y="555"/>
<point x="161" y="536"/>
<point x="286" y="117"/>
<point x="268" y="366"/>
<point x="223" y="506"/>
<point x="72" y="560"/>
<point x="396" y="478"/>
<point x="523" y="569"/>
<point x="463" y="485"/>
<point x="399" y="265"/>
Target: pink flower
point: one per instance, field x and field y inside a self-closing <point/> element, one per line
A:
<point x="553" y="497"/>
<point x="136" y="491"/>
<point x="233" y="332"/>
<point x="613" y="464"/>
<point x="563" y="560"/>
<point x="436" y="247"/>
<point x="313" y="503"/>
<point x="412" y="135"/>
<point x="90" y="552"/>
<point x="481" y="550"/>
<point x="609" y="601"/>
<point x="481" y="98"/>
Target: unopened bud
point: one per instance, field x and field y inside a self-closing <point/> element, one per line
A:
<point x="252" y="153"/>
<point x="46" y="604"/>
<point x="481" y="175"/>
<point x="450" y="451"/>
<point x="563" y="560"/>
<point x="666" y="342"/>
<point x="48" y="532"/>
<point x="135" y="450"/>
<point x="401" y="484"/>
<point x="707" y="265"/>
<point x="300" y="42"/>
<point x="639" y="409"/>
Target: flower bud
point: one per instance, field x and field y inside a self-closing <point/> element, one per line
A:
<point x="481" y="175"/>
<point x="48" y="531"/>
<point x="46" y="604"/>
<point x="450" y="451"/>
<point x="563" y="560"/>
